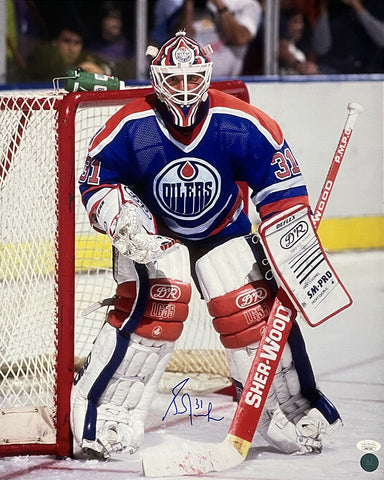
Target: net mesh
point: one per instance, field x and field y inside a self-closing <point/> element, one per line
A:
<point x="28" y="193"/>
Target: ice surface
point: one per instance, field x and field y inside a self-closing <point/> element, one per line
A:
<point x="347" y="356"/>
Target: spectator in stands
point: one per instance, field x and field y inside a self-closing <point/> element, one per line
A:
<point x="293" y="60"/>
<point x="65" y="52"/>
<point x="253" y="63"/>
<point x="349" y="36"/>
<point x="309" y="8"/>
<point x="299" y="42"/>
<point x="163" y="18"/>
<point x="111" y="44"/>
<point x="373" y="26"/>
<point x="227" y="25"/>
<point x="25" y="27"/>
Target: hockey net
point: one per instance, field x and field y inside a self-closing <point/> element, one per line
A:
<point x="53" y="266"/>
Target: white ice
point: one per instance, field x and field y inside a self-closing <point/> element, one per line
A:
<point x="347" y="356"/>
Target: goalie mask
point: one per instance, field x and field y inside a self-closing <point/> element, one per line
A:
<point x="181" y="74"/>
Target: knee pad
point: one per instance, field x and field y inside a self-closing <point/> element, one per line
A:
<point x="169" y="293"/>
<point x="238" y="297"/>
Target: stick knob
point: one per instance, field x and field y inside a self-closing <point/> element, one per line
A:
<point x="355" y="108"/>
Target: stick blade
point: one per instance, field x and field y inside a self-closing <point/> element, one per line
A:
<point x="190" y="458"/>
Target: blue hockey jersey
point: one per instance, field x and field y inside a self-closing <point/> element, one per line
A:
<point x="189" y="182"/>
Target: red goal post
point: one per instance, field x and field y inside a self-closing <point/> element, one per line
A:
<point x="45" y="283"/>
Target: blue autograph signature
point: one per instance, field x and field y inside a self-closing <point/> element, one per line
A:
<point x="183" y="404"/>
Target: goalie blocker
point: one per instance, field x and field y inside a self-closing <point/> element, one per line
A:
<point x="301" y="266"/>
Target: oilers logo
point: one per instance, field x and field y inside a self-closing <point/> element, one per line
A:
<point x="187" y="188"/>
<point x="183" y="54"/>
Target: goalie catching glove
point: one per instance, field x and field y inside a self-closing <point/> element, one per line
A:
<point x="128" y="223"/>
<point x="132" y="239"/>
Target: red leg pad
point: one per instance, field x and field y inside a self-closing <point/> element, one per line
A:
<point x="161" y="289"/>
<point x="241" y="315"/>
<point x="158" y="330"/>
<point x="244" y="297"/>
<point x="244" y="338"/>
<point x="244" y="319"/>
<point x="167" y="308"/>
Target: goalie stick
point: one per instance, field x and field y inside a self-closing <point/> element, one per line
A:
<point x="194" y="458"/>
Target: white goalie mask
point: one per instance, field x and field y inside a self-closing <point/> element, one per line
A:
<point x="181" y="74"/>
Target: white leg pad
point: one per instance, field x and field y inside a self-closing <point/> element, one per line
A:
<point x="314" y="425"/>
<point x="223" y="270"/>
<point x="287" y="388"/>
<point x="288" y="423"/>
<point x="226" y="268"/>
<point x="121" y="408"/>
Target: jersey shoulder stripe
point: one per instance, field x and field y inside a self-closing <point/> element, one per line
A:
<point x="267" y="125"/>
<point x="139" y="108"/>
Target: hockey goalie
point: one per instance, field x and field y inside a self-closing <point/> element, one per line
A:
<point x="161" y="180"/>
